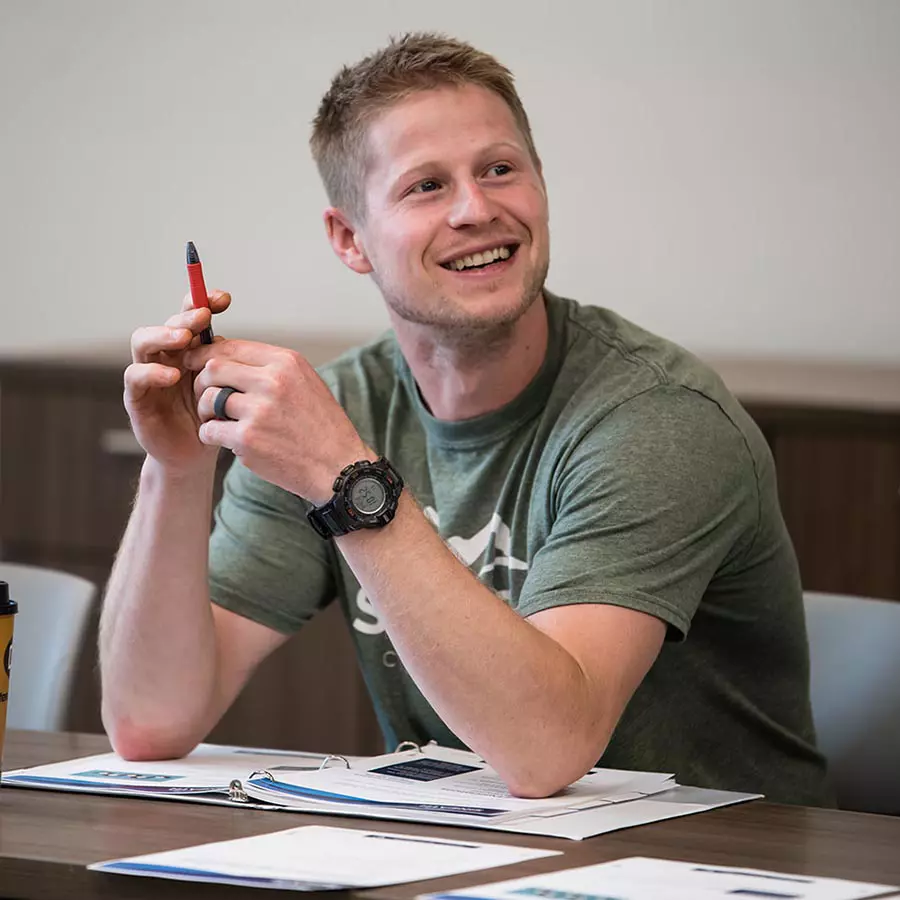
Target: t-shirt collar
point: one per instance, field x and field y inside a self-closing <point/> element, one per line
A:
<point x="500" y="422"/>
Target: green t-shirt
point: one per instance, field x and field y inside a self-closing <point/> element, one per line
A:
<point x="624" y="473"/>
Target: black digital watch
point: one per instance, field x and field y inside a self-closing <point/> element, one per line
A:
<point x="366" y="495"/>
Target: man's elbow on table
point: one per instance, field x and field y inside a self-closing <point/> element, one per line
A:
<point x="550" y="769"/>
<point x="138" y="742"/>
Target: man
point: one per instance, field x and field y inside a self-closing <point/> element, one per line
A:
<point x="586" y="559"/>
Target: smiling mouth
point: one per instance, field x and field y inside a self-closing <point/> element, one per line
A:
<point x="483" y="260"/>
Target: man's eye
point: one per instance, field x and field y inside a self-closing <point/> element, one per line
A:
<point x="426" y="187"/>
<point x="500" y="169"/>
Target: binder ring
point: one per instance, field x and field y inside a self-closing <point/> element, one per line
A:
<point x="333" y="757"/>
<point x="237" y="793"/>
<point x="407" y="745"/>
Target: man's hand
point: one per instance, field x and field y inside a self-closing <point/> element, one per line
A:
<point x="159" y="394"/>
<point x="283" y="423"/>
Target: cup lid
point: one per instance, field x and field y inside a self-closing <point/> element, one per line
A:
<point x="8" y="606"/>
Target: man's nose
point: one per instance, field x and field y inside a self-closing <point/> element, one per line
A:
<point x="471" y="206"/>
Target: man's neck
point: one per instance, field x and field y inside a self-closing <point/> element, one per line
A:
<point x="467" y="378"/>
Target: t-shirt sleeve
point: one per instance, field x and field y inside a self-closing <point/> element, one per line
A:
<point x="265" y="561"/>
<point x="648" y="504"/>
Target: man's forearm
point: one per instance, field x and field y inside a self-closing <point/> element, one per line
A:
<point x="157" y="641"/>
<point x="504" y="687"/>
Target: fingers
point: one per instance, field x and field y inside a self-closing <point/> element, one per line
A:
<point x="141" y="378"/>
<point x="249" y="353"/>
<point x="218" y="433"/>
<point x="222" y="372"/>
<point x="175" y="336"/>
<point x="236" y="405"/>
<point x="179" y="331"/>
<point x="218" y="427"/>
<point x="147" y="343"/>
<point x="193" y="319"/>
<point x="219" y="301"/>
<point x="249" y="367"/>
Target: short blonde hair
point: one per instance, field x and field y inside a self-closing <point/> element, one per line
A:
<point x="417" y="61"/>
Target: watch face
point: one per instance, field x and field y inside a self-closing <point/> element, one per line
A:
<point x="368" y="495"/>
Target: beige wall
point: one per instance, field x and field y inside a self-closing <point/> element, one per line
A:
<point x="723" y="172"/>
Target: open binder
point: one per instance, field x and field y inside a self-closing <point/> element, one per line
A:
<point x="431" y="784"/>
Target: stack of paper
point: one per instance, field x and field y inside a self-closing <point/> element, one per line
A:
<point x="446" y="787"/>
<point x="432" y="784"/>
<point x="206" y="775"/>
<point x="321" y="858"/>
<point x="638" y="878"/>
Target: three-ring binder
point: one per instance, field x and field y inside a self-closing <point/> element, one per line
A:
<point x="237" y="794"/>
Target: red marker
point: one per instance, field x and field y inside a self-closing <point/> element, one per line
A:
<point x="198" y="288"/>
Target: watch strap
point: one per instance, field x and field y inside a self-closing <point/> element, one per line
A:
<point x="328" y="520"/>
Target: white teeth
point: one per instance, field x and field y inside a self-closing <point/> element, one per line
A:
<point x="479" y="259"/>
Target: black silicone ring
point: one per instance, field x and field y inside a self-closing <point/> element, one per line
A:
<point x="221" y="400"/>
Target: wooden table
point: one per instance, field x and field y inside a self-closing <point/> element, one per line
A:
<point x="47" y="838"/>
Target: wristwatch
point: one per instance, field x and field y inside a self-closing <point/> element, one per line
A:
<point x="366" y="495"/>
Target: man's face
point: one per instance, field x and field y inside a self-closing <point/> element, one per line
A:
<point x="456" y="227"/>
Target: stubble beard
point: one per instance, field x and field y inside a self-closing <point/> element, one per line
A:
<point x="454" y="328"/>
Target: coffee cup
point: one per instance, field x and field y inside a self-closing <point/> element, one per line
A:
<point x="8" y="610"/>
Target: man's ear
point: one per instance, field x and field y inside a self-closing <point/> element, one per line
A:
<point x="344" y="240"/>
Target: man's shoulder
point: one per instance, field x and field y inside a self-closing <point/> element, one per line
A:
<point x="617" y="343"/>
<point x="620" y="360"/>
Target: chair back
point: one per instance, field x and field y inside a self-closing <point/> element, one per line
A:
<point x="54" y="608"/>
<point x="854" y="645"/>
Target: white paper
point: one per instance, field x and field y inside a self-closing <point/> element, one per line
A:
<point x="318" y="857"/>
<point x="208" y="769"/>
<point x="469" y="791"/>
<point x="450" y="787"/>
<point x="640" y="878"/>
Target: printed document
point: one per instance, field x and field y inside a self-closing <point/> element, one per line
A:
<point x="639" y="878"/>
<point x="457" y="792"/>
<point x="322" y="858"/>
<point x="206" y="774"/>
<point x="433" y="784"/>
